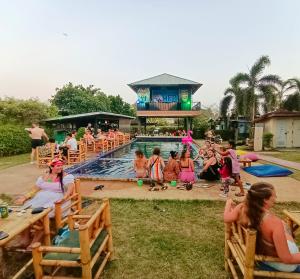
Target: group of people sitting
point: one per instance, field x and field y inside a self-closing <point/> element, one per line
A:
<point x="217" y="164"/>
<point x="220" y="163"/>
<point x="155" y="168"/>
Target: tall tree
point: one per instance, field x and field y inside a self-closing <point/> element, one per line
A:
<point x="235" y="94"/>
<point x="24" y="112"/>
<point x="75" y="99"/>
<point x="292" y="101"/>
<point x="255" y="83"/>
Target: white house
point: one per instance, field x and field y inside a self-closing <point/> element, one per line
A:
<point x="284" y="125"/>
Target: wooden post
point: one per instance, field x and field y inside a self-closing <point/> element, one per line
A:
<point x="227" y="249"/>
<point x="46" y="225"/>
<point x="37" y="258"/>
<point x="57" y="215"/>
<point x="77" y="189"/>
<point x="107" y="224"/>
<point x="250" y="254"/>
<point x="85" y="254"/>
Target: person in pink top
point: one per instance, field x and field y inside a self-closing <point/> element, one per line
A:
<point x="226" y="176"/>
<point x="230" y="152"/>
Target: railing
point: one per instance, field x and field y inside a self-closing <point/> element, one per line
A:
<point x="169" y="106"/>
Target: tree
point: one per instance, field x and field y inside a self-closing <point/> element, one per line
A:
<point x="117" y="105"/>
<point x="76" y="99"/>
<point x="292" y="101"/>
<point x="235" y="94"/>
<point x="255" y="83"/>
<point x="24" y="112"/>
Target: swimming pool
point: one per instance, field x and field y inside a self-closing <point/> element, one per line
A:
<point x="119" y="163"/>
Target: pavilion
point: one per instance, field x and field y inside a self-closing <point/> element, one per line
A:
<point x="166" y="96"/>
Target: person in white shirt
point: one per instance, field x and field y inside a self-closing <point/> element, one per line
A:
<point x="71" y="143"/>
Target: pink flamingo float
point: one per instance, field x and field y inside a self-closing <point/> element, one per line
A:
<point x="188" y="139"/>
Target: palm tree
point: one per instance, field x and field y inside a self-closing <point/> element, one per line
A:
<point x="237" y="94"/>
<point x="255" y="83"/>
<point x="292" y="101"/>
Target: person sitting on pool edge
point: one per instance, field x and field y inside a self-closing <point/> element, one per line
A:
<point x="140" y="164"/>
<point x="155" y="166"/>
<point x="172" y="170"/>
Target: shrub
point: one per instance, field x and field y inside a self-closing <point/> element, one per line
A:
<point x="267" y="139"/>
<point x="14" y="140"/>
<point x="80" y="133"/>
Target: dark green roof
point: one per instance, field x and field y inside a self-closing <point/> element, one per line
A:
<point x="91" y="114"/>
<point x="165" y="80"/>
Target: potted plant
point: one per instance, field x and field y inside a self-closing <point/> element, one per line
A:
<point x="267" y="141"/>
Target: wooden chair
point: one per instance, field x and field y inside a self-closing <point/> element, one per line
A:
<point x="111" y="144"/>
<point x="45" y="155"/>
<point x="127" y="137"/>
<point x="121" y="139"/>
<point x="240" y="252"/>
<point x="76" y="157"/>
<point x="86" y="246"/>
<point x="61" y="211"/>
<point x="101" y="145"/>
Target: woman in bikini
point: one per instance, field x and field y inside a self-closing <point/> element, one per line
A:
<point x="140" y="164"/>
<point x="187" y="169"/>
<point x="274" y="237"/>
<point x="172" y="170"/>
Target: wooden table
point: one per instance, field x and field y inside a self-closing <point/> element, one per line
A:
<point x="14" y="225"/>
<point x="293" y="220"/>
<point x="246" y="162"/>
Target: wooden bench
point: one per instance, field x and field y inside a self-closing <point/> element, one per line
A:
<point x="83" y="248"/>
<point x="245" y="162"/>
<point x="44" y="155"/>
<point x="76" y="157"/>
<point x="240" y="255"/>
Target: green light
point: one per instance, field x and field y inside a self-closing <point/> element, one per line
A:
<point x="188" y="102"/>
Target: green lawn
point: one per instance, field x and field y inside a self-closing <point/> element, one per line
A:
<point x="166" y="239"/>
<point x="7" y="162"/>
<point x="293" y="156"/>
<point x="169" y="239"/>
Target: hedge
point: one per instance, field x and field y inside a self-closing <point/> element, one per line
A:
<point x="14" y="140"/>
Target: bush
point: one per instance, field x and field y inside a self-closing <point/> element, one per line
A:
<point x="80" y="133"/>
<point x="267" y="139"/>
<point x="14" y="140"/>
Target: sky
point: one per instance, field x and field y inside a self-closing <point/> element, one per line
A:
<point x="45" y="44"/>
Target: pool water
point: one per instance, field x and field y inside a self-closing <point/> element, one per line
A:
<point x="119" y="163"/>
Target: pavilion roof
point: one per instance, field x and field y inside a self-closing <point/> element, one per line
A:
<point x="165" y="80"/>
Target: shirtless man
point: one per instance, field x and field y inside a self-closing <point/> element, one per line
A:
<point x="36" y="133"/>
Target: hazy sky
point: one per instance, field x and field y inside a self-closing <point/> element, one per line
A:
<point x="46" y="44"/>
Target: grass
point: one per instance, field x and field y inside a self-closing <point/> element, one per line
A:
<point x="293" y="156"/>
<point x="7" y="162"/>
<point x="167" y="239"/>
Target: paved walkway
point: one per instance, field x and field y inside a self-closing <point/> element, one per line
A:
<point x="19" y="179"/>
<point x="284" y="163"/>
